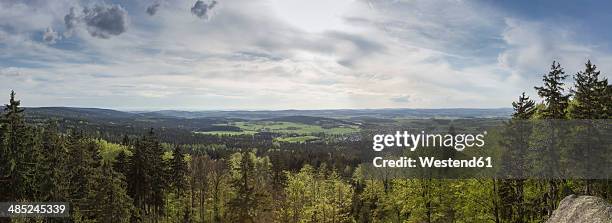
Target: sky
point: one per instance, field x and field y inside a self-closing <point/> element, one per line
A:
<point x="293" y="54"/>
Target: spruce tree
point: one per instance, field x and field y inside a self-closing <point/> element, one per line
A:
<point x="251" y="177"/>
<point x="158" y="172"/>
<point x="524" y="108"/>
<point x="83" y="164"/>
<point x="112" y="202"/>
<point x="589" y="103"/>
<point x="147" y="178"/>
<point x="513" y="159"/>
<point x="53" y="185"/>
<point x="178" y="171"/>
<point x="121" y="164"/>
<point x="244" y="204"/>
<point x="138" y="178"/>
<point x="555" y="108"/>
<point x="589" y="93"/>
<point x="18" y="162"/>
<point x="555" y="100"/>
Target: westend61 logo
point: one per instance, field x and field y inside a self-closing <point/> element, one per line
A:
<point x="424" y="140"/>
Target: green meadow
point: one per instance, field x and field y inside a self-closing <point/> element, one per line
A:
<point x="289" y="131"/>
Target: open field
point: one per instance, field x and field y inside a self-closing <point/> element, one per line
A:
<point x="285" y="128"/>
<point x="296" y="139"/>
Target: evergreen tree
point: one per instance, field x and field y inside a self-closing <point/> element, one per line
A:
<point x="158" y="172"/>
<point x="514" y="158"/>
<point x="524" y="108"/>
<point x="139" y="180"/>
<point x="83" y="164"/>
<point x="589" y="103"/>
<point x="590" y="94"/>
<point x="121" y="164"/>
<point x="53" y="185"/>
<point x="251" y="178"/>
<point x="245" y="202"/>
<point x="555" y="100"/>
<point x="147" y="176"/>
<point x="18" y="155"/>
<point x="112" y="202"/>
<point x="178" y="171"/>
<point x="555" y="108"/>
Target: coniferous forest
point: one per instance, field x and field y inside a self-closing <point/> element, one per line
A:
<point x="151" y="174"/>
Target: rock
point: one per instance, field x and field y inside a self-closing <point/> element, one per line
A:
<point x="582" y="209"/>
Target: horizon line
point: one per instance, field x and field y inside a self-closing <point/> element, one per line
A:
<point x="264" y="110"/>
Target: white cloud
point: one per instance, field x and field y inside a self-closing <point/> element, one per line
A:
<point x="249" y="56"/>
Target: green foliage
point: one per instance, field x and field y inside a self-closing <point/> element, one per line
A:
<point x="555" y="100"/>
<point x="18" y="155"/>
<point x="589" y="94"/>
<point x="285" y="128"/>
<point x="110" y="196"/>
<point x="220" y="180"/>
<point x="316" y="197"/>
<point x="147" y="177"/>
<point x="109" y="151"/>
<point x="178" y="171"/>
<point x="250" y="179"/>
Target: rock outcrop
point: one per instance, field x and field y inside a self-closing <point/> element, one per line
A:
<point x="582" y="209"/>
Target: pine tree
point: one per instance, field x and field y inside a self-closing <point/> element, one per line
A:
<point x="555" y="100"/>
<point x="251" y="178"/>
<point x="244" y="203"/>
<point x="112" y="202"/>
<point x="555" y="108"/>
<point x="589" y="103"/>
<point x="53" y="185"/>
<point x="147" y="177"/>
<point x="83" y="164"/>
<point x="121" y="164"/>
<point x="524" y="108"/>
<point x="158" y="171"/>
<point x="516" y="143"/>
<point x="178" y="171"/>
<point x="18" y="159"/>
<point x="589" y="93"/>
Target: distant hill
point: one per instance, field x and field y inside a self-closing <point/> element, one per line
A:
<point x="345" y="113"/>
<point x="215" y="120"/>
<point x="79" y="113"/>
<point x="309" y="120"/>
<point x="302" y="116"/>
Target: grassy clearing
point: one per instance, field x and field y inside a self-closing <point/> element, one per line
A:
<point x="294" y="128"/>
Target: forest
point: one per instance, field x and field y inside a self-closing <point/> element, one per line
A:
<point x="154" y="173"/>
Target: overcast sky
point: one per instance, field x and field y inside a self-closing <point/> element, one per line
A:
<point x="292" y="54"/>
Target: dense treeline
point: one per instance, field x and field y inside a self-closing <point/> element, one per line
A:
<point x="157" y="178"/>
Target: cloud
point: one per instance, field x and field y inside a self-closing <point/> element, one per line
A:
<point x="50" y="36"/>
<point x="104" y="22"/>
<point x="202" y="9"/>
<point x="532" y="46"/>
<point x="71" y="20"/>
<point x="381" y="54"/>
<point x="152" y="9"/>
<point x="101" y="21"/>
